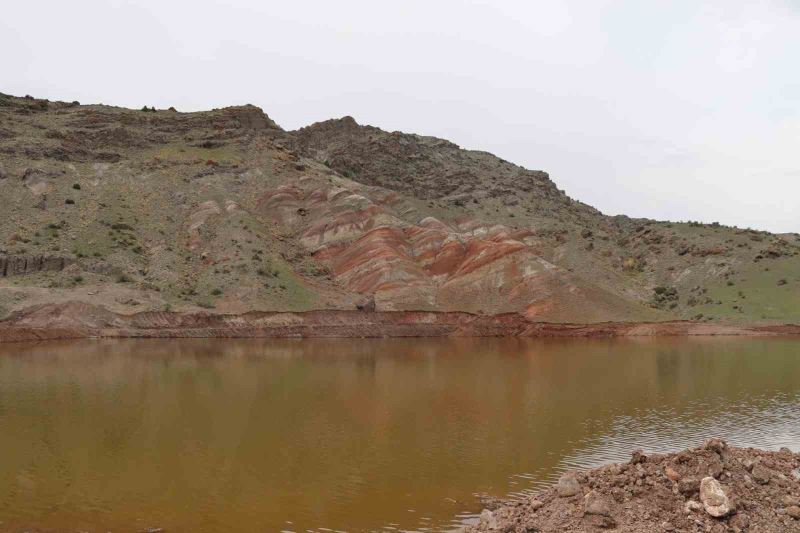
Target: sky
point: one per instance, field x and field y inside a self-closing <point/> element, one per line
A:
<point x="676" y="110"/>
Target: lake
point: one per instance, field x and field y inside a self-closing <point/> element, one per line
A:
<point x="356" y="434"/>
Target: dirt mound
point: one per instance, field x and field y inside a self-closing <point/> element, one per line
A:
<point x="713" y="488"/>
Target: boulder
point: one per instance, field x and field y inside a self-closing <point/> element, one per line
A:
<point x="715" y="501"/>
<point x="596" y="504"/>
<point x="568" y="485"/>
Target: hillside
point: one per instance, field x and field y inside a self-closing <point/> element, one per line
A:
<point x="225" y="212"/>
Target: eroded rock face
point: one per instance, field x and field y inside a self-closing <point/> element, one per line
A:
<point x="374" y="244"/>
<point x="20" y="265"/>
<point x="715" y="501"/>
<point x="425" y="167"/>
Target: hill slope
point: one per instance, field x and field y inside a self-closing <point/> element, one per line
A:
<point x="224" y="211"/>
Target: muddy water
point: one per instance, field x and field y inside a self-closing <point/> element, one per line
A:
<point x="355" y="435"/>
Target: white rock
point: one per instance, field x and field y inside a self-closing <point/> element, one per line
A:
<point x="715" y="501"/>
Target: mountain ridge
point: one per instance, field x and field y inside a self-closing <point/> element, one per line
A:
<point x="225" y="211"/>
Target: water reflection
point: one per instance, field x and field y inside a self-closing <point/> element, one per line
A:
<point x="356" y="434"/>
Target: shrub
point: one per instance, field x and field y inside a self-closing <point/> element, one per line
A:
<point x="663" y="296"/>
<point x="69" y="201"/>
<point x="76" y="186"/>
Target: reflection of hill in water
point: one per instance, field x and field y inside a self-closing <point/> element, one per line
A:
<point x="357" y="434"/>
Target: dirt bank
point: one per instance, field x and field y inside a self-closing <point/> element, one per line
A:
<point x="713" y="488"/>
<point x="80" y="320"/>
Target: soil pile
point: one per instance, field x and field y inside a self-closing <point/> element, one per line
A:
<point x="713" y="488"/>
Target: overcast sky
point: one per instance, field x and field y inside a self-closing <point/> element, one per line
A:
<point x="677" y="109"/>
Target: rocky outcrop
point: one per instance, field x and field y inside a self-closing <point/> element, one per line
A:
<point x="420" y="166"/>
<point x="251" y="117"/>
<point x="20" y="265"/>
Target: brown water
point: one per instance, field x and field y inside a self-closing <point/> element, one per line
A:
<point x="355" y="435"/>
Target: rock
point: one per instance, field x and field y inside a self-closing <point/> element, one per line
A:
<point x="31" y="173"/>
<point x="789" y="501"/>
<point x="692" y="506"/>
<point x="367" y="305"/>
<point x="536" y="505"/>
<point x="3" y="174"/>
<point x="671" y="473"/>
<point x="251" y="117"/>
<point x="489" y="519"/>
<point x="740" y="522"/>
<point x="715" y="501"/>
<point x="688" y="485"/>
<point x="715" y="445"/>
<point x="638" y="457"/>
<point x="20" y="265"/>
<point x="568" y="485"/>
<point x="596" y="504"/>
<point x="714" y="468"/>
<point x="761" y="474"/>
<point x="794" y="512"/>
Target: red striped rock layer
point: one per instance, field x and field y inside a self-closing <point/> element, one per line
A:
<point x="376" y="245"/>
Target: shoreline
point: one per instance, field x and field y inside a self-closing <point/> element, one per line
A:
<point x="81" y="321"/>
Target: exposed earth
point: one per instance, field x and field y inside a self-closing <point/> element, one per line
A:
<point x="713" y="488"/>
<point x="224" y="212"/>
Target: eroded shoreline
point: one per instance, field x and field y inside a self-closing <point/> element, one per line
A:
<point x="80" y="320"/>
